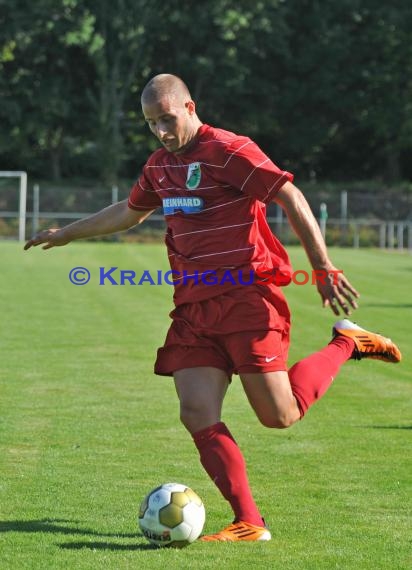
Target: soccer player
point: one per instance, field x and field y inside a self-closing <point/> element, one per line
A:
<point x="213" y="186"/>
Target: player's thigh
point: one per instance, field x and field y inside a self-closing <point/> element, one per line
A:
<point x="271" y="397"/>
<point x="201" y="391"/>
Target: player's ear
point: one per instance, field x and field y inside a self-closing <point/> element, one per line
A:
<point x="191" y="107"/>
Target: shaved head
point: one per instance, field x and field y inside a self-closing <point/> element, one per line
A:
<point x="165" y="85"/>
<point x="169" y="111"/>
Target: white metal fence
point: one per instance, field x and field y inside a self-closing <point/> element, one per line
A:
<point x="21" y="214"/>
<point x="348" y="232"/>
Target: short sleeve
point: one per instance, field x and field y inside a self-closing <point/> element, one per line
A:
<point x="142" y="196"/>
<point x="252" y="172"/>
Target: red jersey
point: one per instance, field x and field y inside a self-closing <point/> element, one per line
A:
<point x="213" y="197"/>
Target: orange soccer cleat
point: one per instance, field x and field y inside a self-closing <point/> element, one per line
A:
<point x="239" y="531"/>
<point x="368" y="344"/>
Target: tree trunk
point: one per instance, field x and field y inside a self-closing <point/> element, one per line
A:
<point x="392" y="172"/>
<point x="55" y="144"/>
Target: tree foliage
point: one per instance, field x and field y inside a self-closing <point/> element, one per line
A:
<point x="325" y="87"/>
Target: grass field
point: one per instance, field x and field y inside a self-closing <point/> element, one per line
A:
<point x="86" y="429"/>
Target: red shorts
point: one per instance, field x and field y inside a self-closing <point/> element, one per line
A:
<point x="245" y="330"/>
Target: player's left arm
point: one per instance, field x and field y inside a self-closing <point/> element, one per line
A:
<point x="336" y="291"/>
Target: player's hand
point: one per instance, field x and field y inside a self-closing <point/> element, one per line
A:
<point x="337" y="292"/>
<point x="51" y="238"/>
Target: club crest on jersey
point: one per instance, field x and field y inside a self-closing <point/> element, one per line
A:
<point x="182" y="204"/>
<point x="193" y="176"/>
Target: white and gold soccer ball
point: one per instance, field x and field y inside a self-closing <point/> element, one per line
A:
<point x="172" y="515"/>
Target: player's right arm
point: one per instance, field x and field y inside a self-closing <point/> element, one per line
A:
<point x="115" y="218"/>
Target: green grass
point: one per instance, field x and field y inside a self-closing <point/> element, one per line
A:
<point x="86" y="429"/>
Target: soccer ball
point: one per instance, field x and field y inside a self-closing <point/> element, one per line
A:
<point x="172" y="515"/>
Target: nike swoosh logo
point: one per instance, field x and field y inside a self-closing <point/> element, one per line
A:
<point x="162" y="178"/>
<point x="267" y="359"/>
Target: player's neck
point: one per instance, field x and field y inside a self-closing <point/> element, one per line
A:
<point x="192" y="139"/>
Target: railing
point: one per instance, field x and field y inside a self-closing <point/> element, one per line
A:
<point x="364" y="232"/>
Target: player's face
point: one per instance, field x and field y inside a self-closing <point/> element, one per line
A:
<point x="171" y="122"/>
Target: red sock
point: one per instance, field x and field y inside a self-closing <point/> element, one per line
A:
<point x="224" y="463"/>
<point x="312" y="376"/>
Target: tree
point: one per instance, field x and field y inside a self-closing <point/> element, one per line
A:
<point x="383" y="59"/>
<point x="42" y="84"/>
<point x="349" y="86"/>
<point x="324" y="87"/>
<point x="121" y="55"/>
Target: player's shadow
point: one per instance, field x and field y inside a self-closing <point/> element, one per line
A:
<point x="394" y="426"/>
<point x="58" y="526"/>
<point x="106" y="546"/>
<point x="65" y="527"/>
<point x="387" y="305"/>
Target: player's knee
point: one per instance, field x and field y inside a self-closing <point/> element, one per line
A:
<point x="285" y="422"/>
<point x="191" y="417"/>
<point x="278" y="421"/>
<point x="187" y="415"/>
